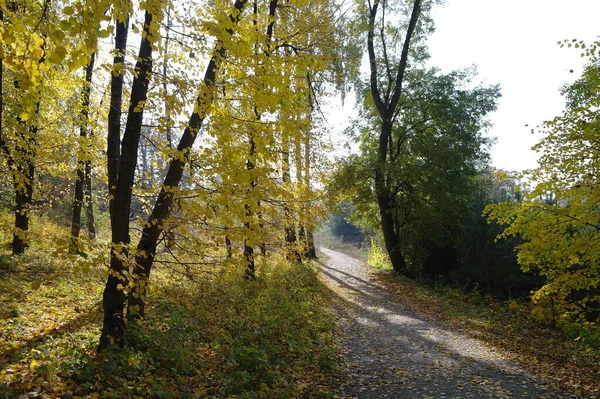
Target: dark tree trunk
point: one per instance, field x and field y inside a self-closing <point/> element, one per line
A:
<point x="78" y="200"/>
<point x="26" y="169"/>
<point x="165" y="86"/>
<point x="89" y="201"/>
<point x="228" y="246"/>
<point x="387" y="107"/>
<point x="289" y="227"/>
<point x="288" y="218"/>
<point x="114" y="298"/>
<point x="77" y="205"/>
<point x="249" y="249"/>
<point x="390" y="236"/>
<point x="164" y="202"/>
<point x="301" y="216"/>
<point x="23" y="197"/>
<point x="113" y="147"/>
<point x="306" y="228"/>
<point x="312" y="253"/>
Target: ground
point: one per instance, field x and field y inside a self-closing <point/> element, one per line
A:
<point x="392" y="351"/>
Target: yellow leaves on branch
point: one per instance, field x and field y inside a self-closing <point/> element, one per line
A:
<point x="558" y="224"/>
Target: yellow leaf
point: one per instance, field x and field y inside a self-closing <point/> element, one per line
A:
<point x="58" y="55"/>
<point x="36" y="284"/>
<point x="34" y="365"/>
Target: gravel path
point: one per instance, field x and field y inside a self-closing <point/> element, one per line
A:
<point x="392" y="352"/>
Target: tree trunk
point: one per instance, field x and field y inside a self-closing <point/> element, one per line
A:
<point x="113" y="150"/>
<point x="288" y="219"/>
<point x="82" y="162"/>
<point x="23" y="198"/>
<point x="89" y="201"/>
<point x="113" y="297"/>
<point x="390" y="236"/>
<point x="310" y="241"/>
<point x="248" y="248"/>
<point x="24" y="189"/>
<point x="301" y="217"/>
<point x="228" y="246"/>
<point x="387" y="107"/>
<point x="164" y="202"/>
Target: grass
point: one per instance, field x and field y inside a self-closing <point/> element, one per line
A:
<point x="221" y="336"/>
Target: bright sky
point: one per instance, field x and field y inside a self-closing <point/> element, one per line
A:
<point x="512" y="43"/>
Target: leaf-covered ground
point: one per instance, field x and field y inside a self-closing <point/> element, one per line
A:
<point x="396" y="349"/>
<point x="219" y="336"/>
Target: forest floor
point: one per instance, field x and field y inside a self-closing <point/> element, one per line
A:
<point x="391" y="350"/>
<point x="216" y="335"/>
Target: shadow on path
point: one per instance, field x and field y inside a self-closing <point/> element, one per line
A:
<point x="391" y="351"/>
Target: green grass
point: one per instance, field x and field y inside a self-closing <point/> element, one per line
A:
<point x="217" y="337"/>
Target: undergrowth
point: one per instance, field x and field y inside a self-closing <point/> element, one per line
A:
<point x="218" y="337"/>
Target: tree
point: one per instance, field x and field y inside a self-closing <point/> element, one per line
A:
<point x="84" y="180"/>
<point x="122" y="164"/>
<point x="431" y="170"/>
<point x="386" y="96"/>
<point x="559" y="238"/>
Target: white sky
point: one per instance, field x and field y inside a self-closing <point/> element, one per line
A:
<point x="514" y="43"/>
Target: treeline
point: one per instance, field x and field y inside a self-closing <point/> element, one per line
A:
<point x="468" y="257"/>
<point x="423" y="187"/>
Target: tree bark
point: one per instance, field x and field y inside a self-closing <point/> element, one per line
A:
<point x="82" y="163"/>
<point x="301" y="217"/>
<point x="113" y="298"/>
<point x="386" y="107"/>
<point x="164" y="202"/>
<point x="89" y="201"/>
<point x="26" y="168"/>
<point x="248" y="247"/>
<point x="288" y="220"/>
<point x="113" y="151"/>
<point x="310" y="241"/>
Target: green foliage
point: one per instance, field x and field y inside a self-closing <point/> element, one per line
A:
<point x="484" y="262"/>
<point x="558" y="221"/>
<point x="437" y="151"/>
<point x="281" y="323"/>
<point x="342" y="228"/>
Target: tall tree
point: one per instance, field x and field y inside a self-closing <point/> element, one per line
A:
<point x="83" y="180"/>
<point x="21" y="157"/>
<point x="386" y="98"/>
<point x="122" y="170"/>
<point x="439" y="150"/>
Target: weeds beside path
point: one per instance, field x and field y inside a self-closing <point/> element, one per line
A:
<point x="391" y="351"/>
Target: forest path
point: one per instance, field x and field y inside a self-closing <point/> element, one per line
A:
<point x="391" y="351"/>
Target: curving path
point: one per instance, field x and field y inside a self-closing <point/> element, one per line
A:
<point x="392" y="352"/>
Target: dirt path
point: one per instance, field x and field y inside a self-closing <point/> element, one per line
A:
<point x="393" y="352"/>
